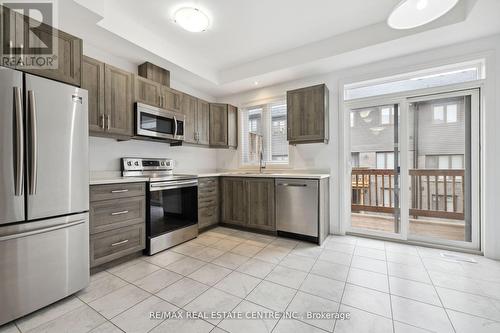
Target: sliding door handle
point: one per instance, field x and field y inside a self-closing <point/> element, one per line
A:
<point x="33" y="147"/>
<point x="19" y="142"/>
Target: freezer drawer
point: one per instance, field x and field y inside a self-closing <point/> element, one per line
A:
<point x="41" y="263"/>
<point x="297" y="206"/>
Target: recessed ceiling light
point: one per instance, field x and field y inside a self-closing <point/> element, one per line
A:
<point x="191" y="19"/>
<point x="410" y="14"/>
<point x="256" y="83"/>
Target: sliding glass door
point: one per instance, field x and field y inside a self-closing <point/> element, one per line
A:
<point x="444" y="169"/>
<point x="375" y="169"/>
<point x="415" y="168"/>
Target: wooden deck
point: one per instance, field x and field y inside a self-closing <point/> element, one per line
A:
<point x="421" y="227"/>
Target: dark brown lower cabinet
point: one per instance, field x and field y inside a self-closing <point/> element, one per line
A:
<point x="248" y="202"/>
<point x="234" y="200"/>
<point x="260" y="198"/>
<point x="208" y="202"/>
<point x="117" y="221"/>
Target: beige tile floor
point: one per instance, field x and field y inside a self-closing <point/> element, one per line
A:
<point x="386" y="287"/>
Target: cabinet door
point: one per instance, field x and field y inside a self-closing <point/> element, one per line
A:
<point x="69" y="52"/>
<point x="147" y="91"/>
<point x="203" y="122"/>
<point x="8" y="31"/>
<point x="118" y="101"/>
<point x="234" y="202"/>
<point x="93" y="81"/>
<point x="232" y="126"/>
<point x="189" y="107"/>
<point x="171" y="99"/>
<point x="306" y="114"/>
<point x="218" y="125"/>
<point x="260" y="198"/>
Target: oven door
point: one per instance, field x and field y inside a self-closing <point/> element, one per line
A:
<point x="172" y="205"/>
<point x="155" y="122"/>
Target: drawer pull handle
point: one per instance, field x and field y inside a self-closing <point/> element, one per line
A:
<point x="119" y="191"/>
<point x="120" y="213"/>
<point x="120" y="243"/>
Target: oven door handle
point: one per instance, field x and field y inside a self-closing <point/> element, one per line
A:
<point x="175" y="123"/>
<point x="160" y="186"/>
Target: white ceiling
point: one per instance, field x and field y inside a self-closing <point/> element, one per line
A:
<point x="269" y="41"/>
<point x="243" y="31"/>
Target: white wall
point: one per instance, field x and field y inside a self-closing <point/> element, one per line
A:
<point x="321" y="156"/>
<point x="105" y="154"/>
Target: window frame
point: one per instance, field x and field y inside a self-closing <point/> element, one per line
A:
<point x="267" y="130"/>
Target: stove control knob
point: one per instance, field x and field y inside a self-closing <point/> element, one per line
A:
<point x="136" y="163"/>
<point x="129" y="163"/>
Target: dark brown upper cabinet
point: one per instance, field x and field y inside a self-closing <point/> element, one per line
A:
<point x="171" y="99"/>
<point x="223" y="125"/>
<point x="197" y="114"/>
<point x="93" y="82"/>
<point x="118" y="105"/>
<point x="232" y="126"/>
<point x="110" y="99"/>
<point x="218" y="125"/>
<point x="69" y="52"/>
<point x="203" y="122"/>
<point x="147" y="91"/>
<point x="155" y="73"/>
<point x="189" y="107"/>
<point x="307" y="115"/>
<point x="12" y="28"/>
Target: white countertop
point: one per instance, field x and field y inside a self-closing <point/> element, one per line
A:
<point x="301" y="175"/>
<point x="117" y="180"/>
<point x="114" y="177"/>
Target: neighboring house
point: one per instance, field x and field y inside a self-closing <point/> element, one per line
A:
<point x="437" y="141"/>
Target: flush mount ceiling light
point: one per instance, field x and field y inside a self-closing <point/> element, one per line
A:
<point x="191" y="19"/>
<point x="410" y="14"/>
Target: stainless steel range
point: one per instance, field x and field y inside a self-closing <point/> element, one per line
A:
<point x="172" y="202"/>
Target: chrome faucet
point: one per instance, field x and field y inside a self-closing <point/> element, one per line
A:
<point x="262" y="164"/>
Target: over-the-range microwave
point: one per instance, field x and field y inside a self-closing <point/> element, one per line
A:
<point x="158" y="123"/>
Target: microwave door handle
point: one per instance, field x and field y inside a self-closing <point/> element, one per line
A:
<point x="175" y="126"/>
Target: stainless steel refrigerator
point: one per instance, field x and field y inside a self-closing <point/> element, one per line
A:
<point x="44" y="198"/>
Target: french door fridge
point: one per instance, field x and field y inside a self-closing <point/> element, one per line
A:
<point x="44" y="201"/>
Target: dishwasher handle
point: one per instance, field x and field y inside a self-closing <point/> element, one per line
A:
<point x="292" y="185"/>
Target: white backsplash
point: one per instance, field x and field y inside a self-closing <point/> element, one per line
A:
<point x="105" y="154"/>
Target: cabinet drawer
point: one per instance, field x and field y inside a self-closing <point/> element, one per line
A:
<point x="114" y="244"/>
<point x="207" y="201"/>
<point x="116" y="191"/>
<point x="111" y="214"/>
<point x="208" y="216"/>
<point x="209" y="181"/>
<point x="208" y="190"/>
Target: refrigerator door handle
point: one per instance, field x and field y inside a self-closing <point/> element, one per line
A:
<point x="19" y="142"/>
<point x="33" y="158"/>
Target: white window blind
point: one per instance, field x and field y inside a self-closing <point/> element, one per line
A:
<point x="264" y="126"/>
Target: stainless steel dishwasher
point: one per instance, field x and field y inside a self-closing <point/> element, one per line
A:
<point x="297" y="208"/>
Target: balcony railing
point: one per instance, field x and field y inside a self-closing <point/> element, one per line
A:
<point x="435" y="193"/>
